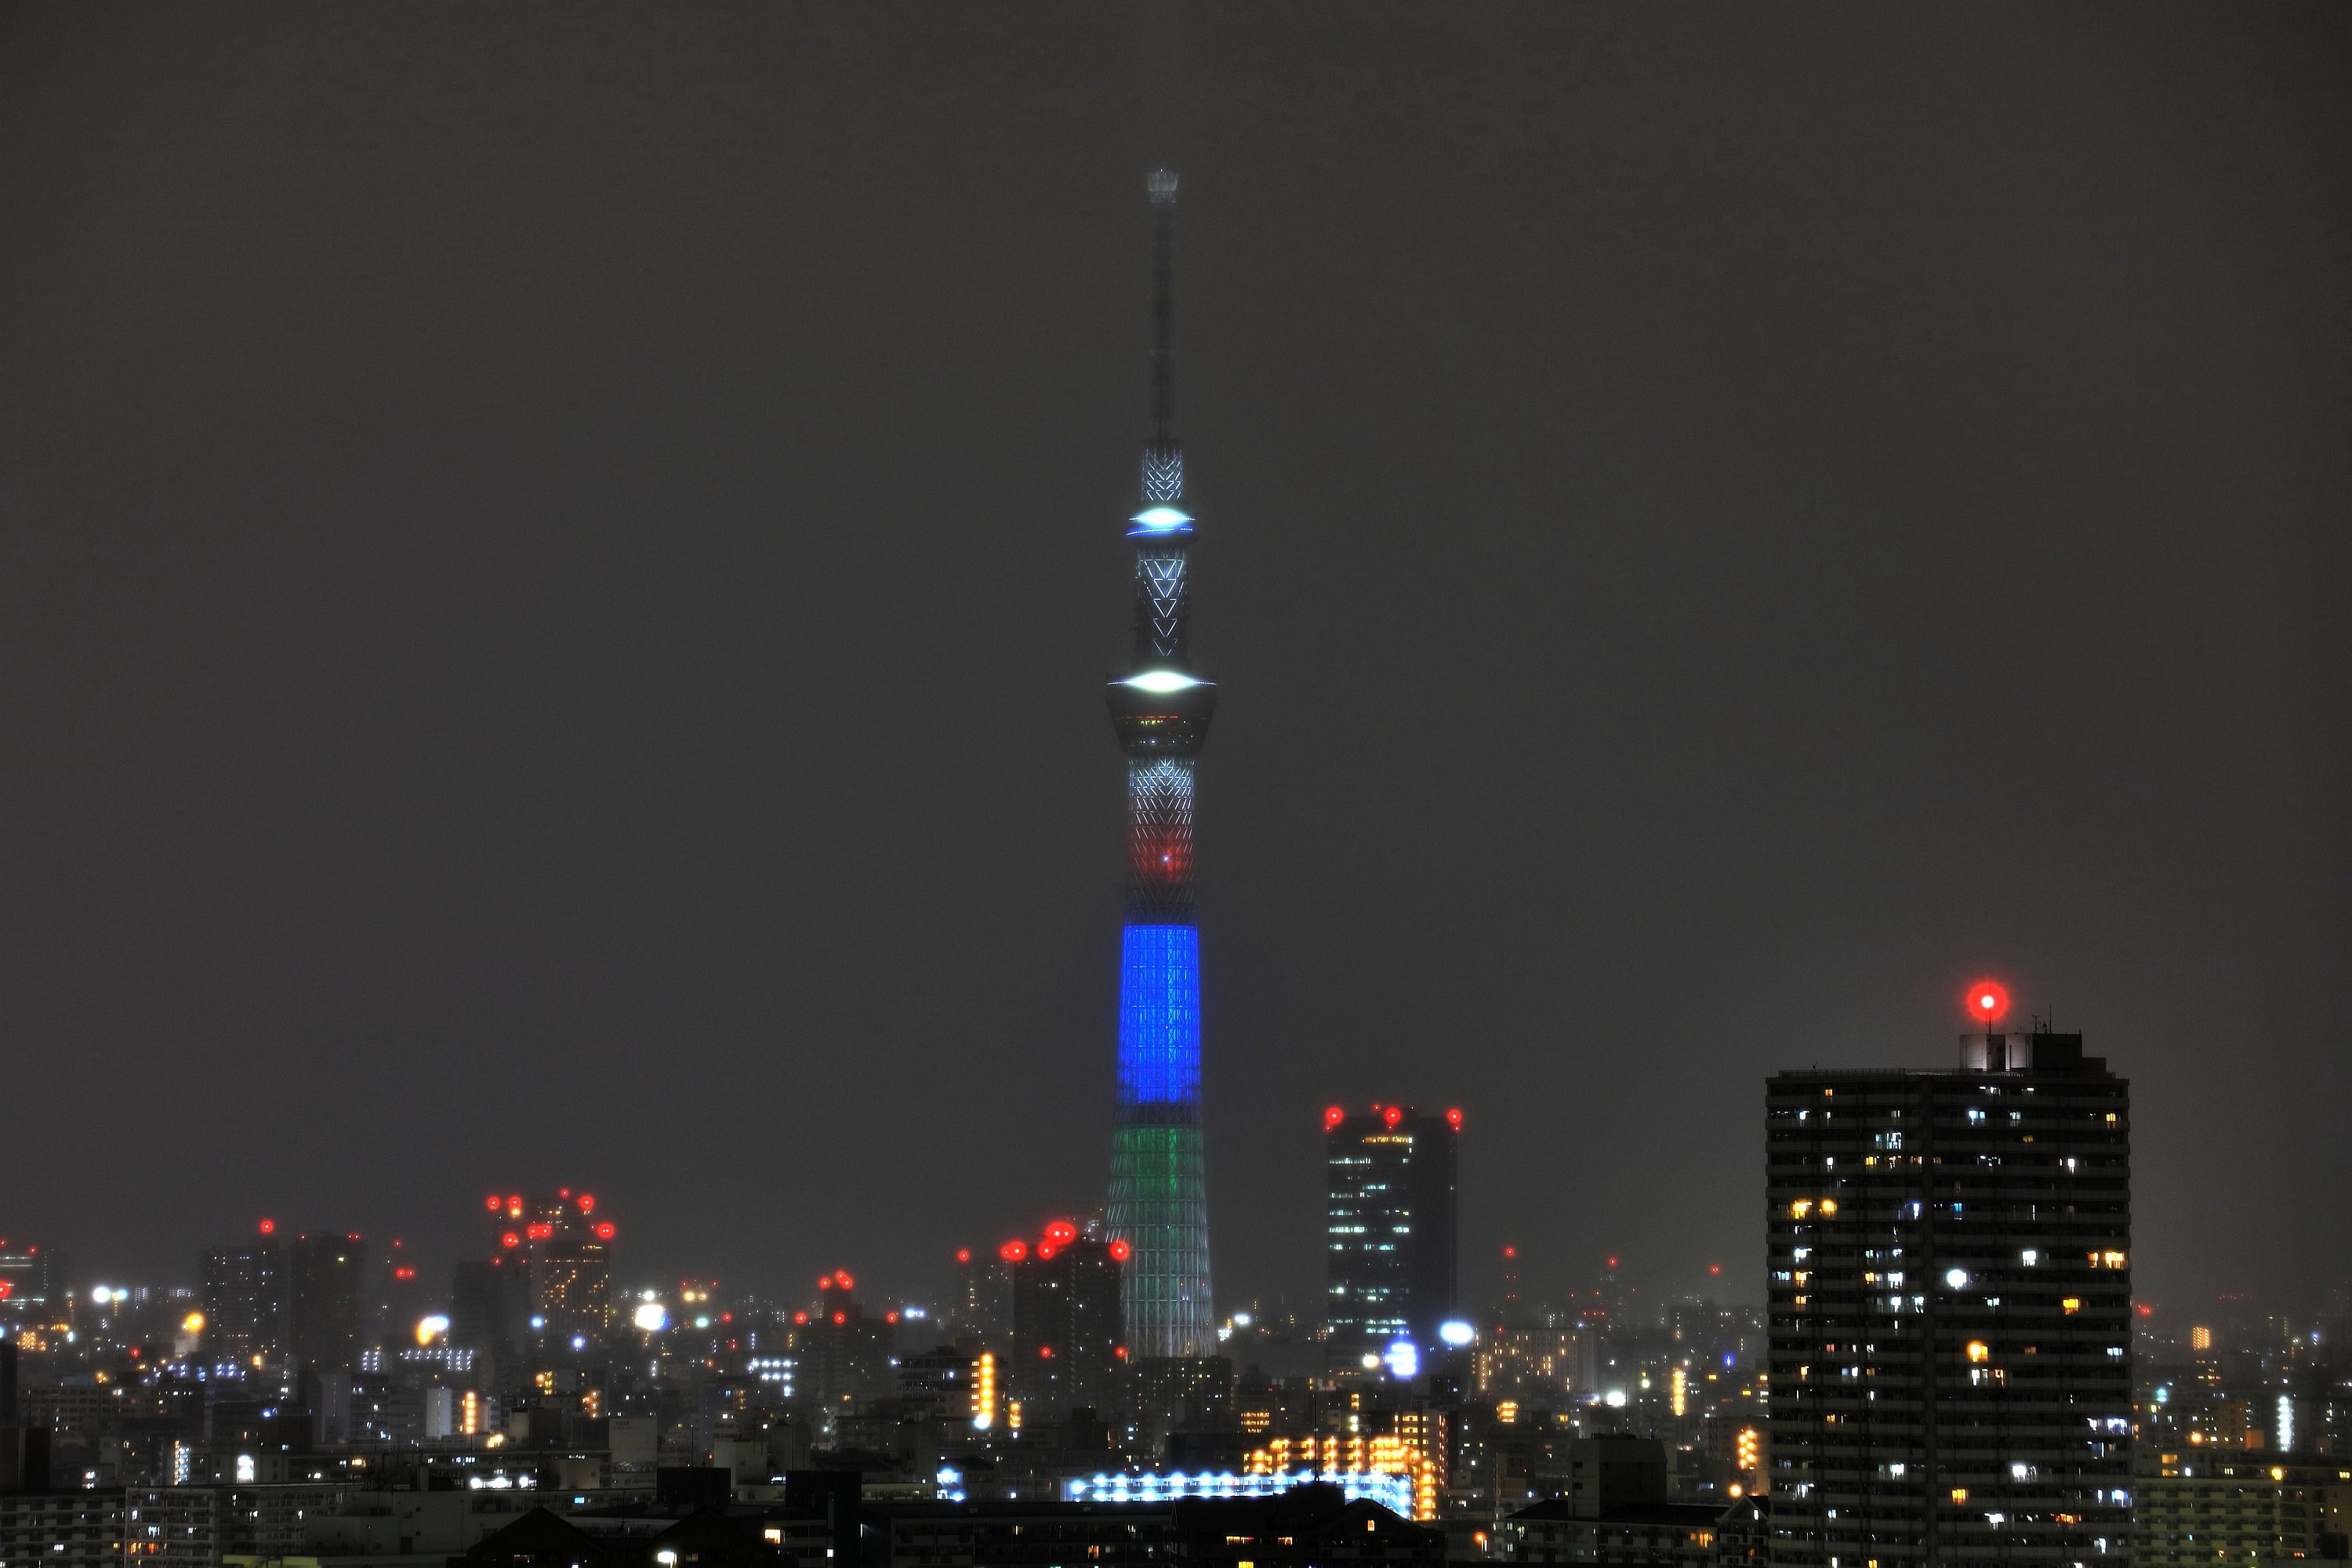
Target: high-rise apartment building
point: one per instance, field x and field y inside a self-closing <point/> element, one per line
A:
<point x="1389" y="1231"/>
<point x="1161" y="710"/>
<point x="1950" y="1309"/>
<point x="244" y="1293"/>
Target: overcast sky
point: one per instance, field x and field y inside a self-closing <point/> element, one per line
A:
<point x="559" y="562"/>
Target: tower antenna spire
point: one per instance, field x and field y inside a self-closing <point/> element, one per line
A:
<point x="1163" y="454"/>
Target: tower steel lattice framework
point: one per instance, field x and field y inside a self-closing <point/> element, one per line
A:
<point x="1160" y="710"/>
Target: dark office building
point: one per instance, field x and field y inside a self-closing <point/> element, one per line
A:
<point x="1389" y="1232"/>
<point x="325" y="1302"/>
<point x="1068" y="1351"/>
<point x="841" y="1354"/>
<point x="489" y="1306"/>
<point x="1950" y="1310"/>
<point x="245" y="1301"/>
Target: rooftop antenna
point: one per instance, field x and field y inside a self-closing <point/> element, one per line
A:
<point x="1163" y="454"/>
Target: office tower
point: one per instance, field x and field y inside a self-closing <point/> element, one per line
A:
<point x="489" y="1305"/>
<point x="1389" y="1227"/>
<point x="324" y="1297"/>
<point x="1950" y="1309"/>
<point x="563" y="1251"/>
<point x="840" y="1354"/>
<point x="1068" y="1349"/>
<point x="32" y="1283"/>
<point x="244" y="1292"/>
<point x="400" y="1296"/>
<point x="1161" y="710"/>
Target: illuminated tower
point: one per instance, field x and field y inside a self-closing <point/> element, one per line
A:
<point x="1159" y="1195"/>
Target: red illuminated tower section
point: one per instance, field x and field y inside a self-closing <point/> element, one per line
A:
<point x="1160" y="710"/>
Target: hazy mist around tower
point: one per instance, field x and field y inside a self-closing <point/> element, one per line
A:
<point x="561" y="563"/>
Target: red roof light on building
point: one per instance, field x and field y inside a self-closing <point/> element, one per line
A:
<point x="1013" y="1251"/>
<point x="494" y="1203"/>
<point x="1118" y="1351"/>
<point x="891" y="1316"/>
<point x="800" y="1317"/>
<point x="510" y="1239"/>
<point x="269" y="1227"/>
<point x="1392" y="1116"/>
<point x="1120" y="1250"/>
<point x="539" y="1230"/>
<point x="1061" y="1232"/>
<point x="1453" y="1119"/>
<point x="1046" y="1352"/>
<point x="1987" y="1001"/>
<point x="587" y="1203"/>
<point x="841" y="1317"/>
<point x="605" y="1230"/>
<point x="843" y="1276"/>
<point x="1332" y="1117"/>
<point x="403" y="1272"/>
<point x="1045" y="1249"/>
<point x="963" y="1254"/>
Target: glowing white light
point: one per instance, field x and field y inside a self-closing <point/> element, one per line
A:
<point x="580" y="1342"/>
<point x="652" y="1316"/>
<point x="101" y="1294"/>
<point x="1403" y="1358"/>
<point x="1161" y="518"/>
<point x="538" y="1322"/>
<point x="1457" y="1333"/>
<point x="1241" y="1319"/>
<point x="1159" y="683"/>
<point x="1957" y="1278"/>
<point x="1616" y="1400"/>
<point x="1371" y="1362"/>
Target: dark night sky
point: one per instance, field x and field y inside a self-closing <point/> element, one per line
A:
<point x="559" y="561"/>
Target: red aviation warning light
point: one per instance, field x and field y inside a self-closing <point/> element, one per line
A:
<point x="1453" y="1119"/>
<point x="1987" y="1001"/>
<point x="963" y="1254"/>
<point x="1013" y="1251"/>
<point x="494" y="1203"/>
<point x="1332" y="1117"/>
<point x="1061" y="1232"/>
<point x="605" y="1230"/>
<point x="1120" y="1250"/>
<point x="587" y="1203"/>
<point x="1392" y="1116"/>
<point x="510" y="1239"/>
<point x="269" y="1227"/>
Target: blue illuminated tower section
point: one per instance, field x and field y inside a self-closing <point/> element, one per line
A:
<point x="1159" y="1189"/>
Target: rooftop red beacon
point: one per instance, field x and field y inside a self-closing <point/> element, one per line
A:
<point x="1987" y="1001"/>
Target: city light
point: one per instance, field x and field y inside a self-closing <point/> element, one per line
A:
<point x="1161" y="682"/>
<point x="651" y="1316"/>
<point x="430" y="1329"/>
<point x="1160" y="520"/>
<point x="1403" y="1359"/>
<point x="983" y="1391"/>
<point x="1456" y="1333"/>
<point x="1987" y="1001"/>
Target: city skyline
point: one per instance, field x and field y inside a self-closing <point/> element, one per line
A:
<point x="1704" y="598"/>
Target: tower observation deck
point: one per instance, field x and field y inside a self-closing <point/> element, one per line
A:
<point x="1160" y="710"/>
